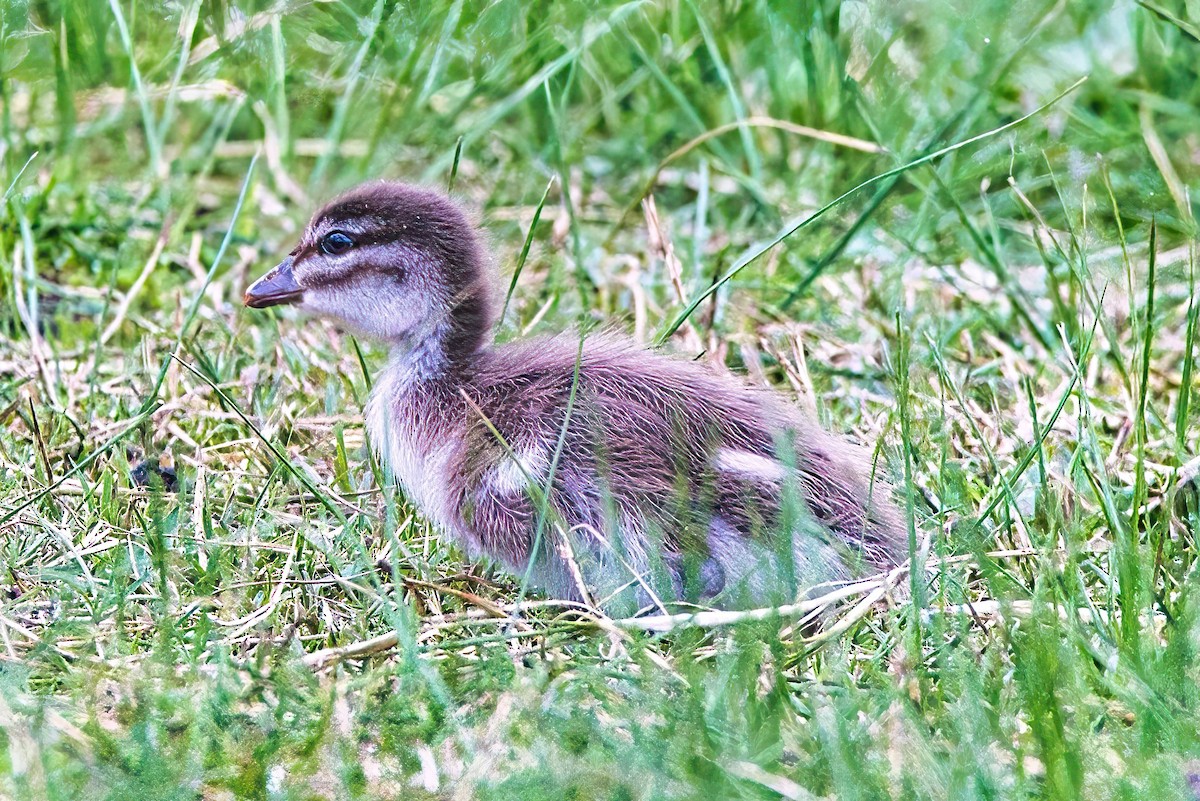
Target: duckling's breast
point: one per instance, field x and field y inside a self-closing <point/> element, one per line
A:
<point x="419" y="444"/>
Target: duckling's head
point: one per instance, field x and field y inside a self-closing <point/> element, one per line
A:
<point x="392" y="262"/>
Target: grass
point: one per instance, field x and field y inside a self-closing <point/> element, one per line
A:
<point x="1011" y="320"/>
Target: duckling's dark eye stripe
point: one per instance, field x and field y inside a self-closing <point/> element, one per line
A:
<point x="338" y="278"/>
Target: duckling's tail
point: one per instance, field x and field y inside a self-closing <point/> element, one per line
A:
<point x="848" y="492"/>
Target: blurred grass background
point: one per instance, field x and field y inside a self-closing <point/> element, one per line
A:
<point x="188" y="512"/>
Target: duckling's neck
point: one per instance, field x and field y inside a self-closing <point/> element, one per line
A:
<point x="419" y="361"/>
<point x="445" y="349"/>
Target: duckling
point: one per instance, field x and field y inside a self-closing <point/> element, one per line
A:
<point x="598" y="470"/>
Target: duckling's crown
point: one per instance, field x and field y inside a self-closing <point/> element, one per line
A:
<point x="383" y="212"/>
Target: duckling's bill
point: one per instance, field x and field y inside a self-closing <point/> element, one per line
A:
<point x="276" y="287"/>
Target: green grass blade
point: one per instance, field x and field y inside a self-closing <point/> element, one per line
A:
<point x="758" y="251"/>
<point x="524" y="254"/>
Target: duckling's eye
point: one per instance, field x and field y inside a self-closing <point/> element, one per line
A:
<point x="335" y="243"/>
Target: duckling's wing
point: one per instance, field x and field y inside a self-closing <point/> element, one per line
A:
<point x="677" y="446"/>
<point x="748" y="445"/>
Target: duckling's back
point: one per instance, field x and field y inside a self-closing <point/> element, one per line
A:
<point x="671" y="481"/>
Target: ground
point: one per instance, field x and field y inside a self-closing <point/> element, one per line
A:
<point x="209" y="590"/>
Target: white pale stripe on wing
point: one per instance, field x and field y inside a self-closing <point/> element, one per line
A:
<point x="514" y="471"/>
<point x="748" y="464"/>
